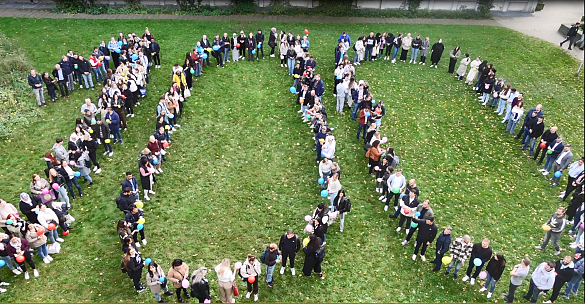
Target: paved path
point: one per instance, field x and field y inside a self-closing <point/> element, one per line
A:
<point x="543" y="24"/>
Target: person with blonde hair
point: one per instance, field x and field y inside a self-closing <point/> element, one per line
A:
<point x="225" y="279"/>
<point x="200" y="285"/>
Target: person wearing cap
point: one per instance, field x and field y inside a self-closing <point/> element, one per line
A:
<point x="561" y="163"/>
<point x="443" y="244"/>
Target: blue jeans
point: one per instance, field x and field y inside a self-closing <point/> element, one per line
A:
<point x="98" y="74"/>
<point x="87" y="79"/>
<point x="354" y="111"/>
<point x="332" y="197"/>
<point x="197" y="69"/>
<point x="494" y="101"/>
<point x="485" y="97"/>
<point x="457" y="264"/>
<point x="508" y="111"/>
<point x="87" y="178"/>
<point x="573" y="285"/>
<point x="368" y="55"/>
<point x="356" y="58"/>
<point x="42" y="250"/>
<point x="532" y="143"/>
<point x="490" y="282"/>
<point x="526" y="135"/>
<point x="53" y="235"/>
<point x="360" y="127"/>
<point x="70" y="184"/>
<point x="269" y="271"/>
<point x="395" y="53"/>
<point x="225" y="55"/>
<point x="116" y="133"/>
<point x="414" y="54"/>
<point x="106" y="64"/>
<point x="511" y="126"/>
<point x="501" y="105"/>
<point x="8" y="261"/>
<point x="63" y="195"/>
<point x="291" y="66"/>
<point x="549" y="162"/>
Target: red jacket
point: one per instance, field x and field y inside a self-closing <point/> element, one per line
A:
<point x="12" y="251"/>
<point x="362" y="120"/>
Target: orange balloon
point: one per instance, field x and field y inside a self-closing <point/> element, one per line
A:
<point x="250" y="279"/>
<point x="20" y="258"/>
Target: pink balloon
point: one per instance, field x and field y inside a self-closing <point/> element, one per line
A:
<point x="71" y="163"/>
<point x="206" y="301"/>
<point x="45" y="191"/>
<point x="483" y="275"/>
<point x="377" y="168"/>
<point x="185" y="284"/>
<point x="582" y="226"/>
<point x="307" y="217"/>
<point x="309" y="228"/>
<point x="55" y="186"/>
<point x="238" y="265"/>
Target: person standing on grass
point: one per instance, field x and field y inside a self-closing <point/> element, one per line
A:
<point x="200" y="285"/>
<point x="406" y="45"/>
<point x="425" y="213"/>
<point x="155" y="272"/>
<point x="575" y="178"/>
<point x="561" y="163"/>
<point x="397" y="45"/>
<point x="554" y="228"/>
<point x="542" y="280"/>
<point x="436" y="53"/>
<point x="19" y="246"/>
<point x="426" y="235"/>
<point x="314" y="254"/>
<point x="36" y="83"/>
<point x="113" y="121"/>
<point x="90" y="148"/>
<point x="453" y="57"/>
<point x="396" y="181"/>
<point x="59" y="75"/>
<point x="515" y="116"/>
<point x="575" y="282"/>
<point x="373" y="154"/>
<point x="564" y="270"/>
<point x="460" y="250"/>
<point x="259" y="42"/>
<point x="51" y="87"/>
<point x="515" y="97"/>
<point x="443" y="244"/>
<point x="272" y="40"/>
<point x="251" y="268"/>
<point x="481" y="251"/>
<point x="101" y="132"/>
<point x="462" y="69"/>
<point x="531" y="116"/>
<point x="205" y="44"/>
<point x="517" y="275"/>
<point x="342" y="204"/>
<point x="363" y="120"/>
<point x="225" y="279"/>
<point x="556" y="151"/>
<point x="548" y="137"/>
<point x="133" y="265"/>
<point x="535" y="130"/>
<point x="424" y="49"/>
<point x="416" y="43"/>
<point x="571" y="35"/>
<point x="38" y="241"/>
<point x="289" y="245"/>
<point x="132" y="218"/>
<point x="56" y="178"/>
<point x="408" y="203"/>
<point x="271" y="258"/>
<point x="178" y="272"/>
<point x="495" y="268"/>
<point x="320" y="220"/>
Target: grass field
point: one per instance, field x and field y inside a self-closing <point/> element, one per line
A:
<point x="241" y="172"/>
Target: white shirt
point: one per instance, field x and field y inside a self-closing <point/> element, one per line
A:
<point x="575" y="169"/>
<point x="561" y="156"/>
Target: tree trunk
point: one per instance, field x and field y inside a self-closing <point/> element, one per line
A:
<point x="179" y="4"/>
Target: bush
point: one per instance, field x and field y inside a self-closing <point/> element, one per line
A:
<point x="484" y="8"/>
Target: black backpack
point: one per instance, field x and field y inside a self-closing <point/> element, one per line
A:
<point x="263" y="256"/>
<point x="320" y="253"/>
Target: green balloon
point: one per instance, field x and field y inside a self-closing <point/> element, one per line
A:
<point x="549" y="152"/>
<point x="395" y="190"/>
<point x="9" y="222"/>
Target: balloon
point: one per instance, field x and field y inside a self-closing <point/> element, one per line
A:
<point x="107" y="58"/>
<point x="395" y="190"/>
<point x="413" y="224"/>
<point x="446" y="260"/>
<point x="66" y="232"/>
<point x="368" y="114"/>
<point x="215" y="47"/>
<point x="77" y="174"/>
<point x="155" y="161"/>
<point x="185" y="283"/>
<point x="140" y="226"/>
<point x="238" y="265"/>
<point x="90" y="130"/>
<point x="309" y="228"/>
<point x="237" y="45"/>
<point x="93" y="121"/>
<point x="406" y="211"/>
<point x="338" y="77"/>
<point x="582" y="225"/>
<point x="148" y="261"/>
<point x="374" y="101"/>
<point x="20" y="258"/>
<point x="167" y="127"/>
<point x="141" y="220"/>
<point x="56" y="186"/>
<point x="134" y="56"/>
<point x="47" y="197"/>
<point x="377" y="168"/>
<point x="107" y="141"/>
<point x="206" y="301"/>
<point x="477" y="262"/>
<point x="304" y="46"/>
<point x="545" y="227"/>
<point x="71" y="163"/>
<point x="483" y="275"/>
<point x="322" y="154"/>
<point x="117" y="50"/>
<point x="306" y="242"/>
<point x="542" y="145"/>
<point x="251" y="279"/>
<point x="192" y="71"/>
<point x="253" y="52"/>
<point x="204" y="56"/>
<point x="558" y="174"/>
<point x="321" y="181"/>
<point x="308" y="116"/>
<point x="2" y="263"/>
<point x="9" y="222"/>
<point x="139" y="205"/>
<point x="40" y="231"/>
<point x="384" y="140"/>
<point x="108" y="121"/>
<point x="209" y="50"/>
<point x="161" y="279"/>
<point x="549" y="152"/>
<point x="120" y="43"/>
<point x="171" y="116"/>
<point x="37" y="211"/>
<point x="296" y="75"/>
<point x="378" y="122"/>
<point x="259" y="45"/>
<point x="307" y="217"/>
<point x="324" y="193"/>
<point x="402" y="195"/>
<point x="306" y="32"/>
<point x="417" y="214"/>
<point x="51" y="226"/>
<point x="293" y="90"/>
<point x="45" y="191"/>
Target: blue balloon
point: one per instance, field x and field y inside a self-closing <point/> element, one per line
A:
<point x="373" y="101"/>
<point x="171" y="116"/>
<point x="324" y="193"/>
<point x="77" y="174"/>
<point x="402" y="195"/>
<point x="558" y="174"/>
<point x="204" y="56"/>
<point x="417" y="214"/>
<point x="120" y="43"/>
<point x="477" y="262"/>
<point x="308" y="116"/>
<point x="140" y="226"/>
<point x="155" y="161"/>
<point x="148" y="261"/>
<point x="253" y="52"/>
<point x="322" y="154"/>
<point x="117" y="50"/>
<point x="378" y="122"/>
<point x="134" y="56"/>
<point x="368" y="114"/>
<point x="161" y="279"/>
<point x="338" y="77"/>
<point x="37" y="212"/>
<point x="2" y="263"/>
<point x="293" y="90"/>
<point x="259" y="45"/>
<point x="321" y="181"/>
<point x="215" y="47"/>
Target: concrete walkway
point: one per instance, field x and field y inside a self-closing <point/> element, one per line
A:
<point x="543" y="24"/>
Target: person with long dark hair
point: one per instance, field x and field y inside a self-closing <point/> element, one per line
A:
<point x="373" y="155"/>
<point x="90" y="147"/>
<point x="133" y="265"/>
<point x="453" y="57"/>
<point x="146" y="177"/>
<point x="314" y="253"/>
<point x="154" y="281"/>
<point x="436" y="53"/>
<point x="178" y="272"/>
<point x="342" y="205"/>
<point x="495" y="268"/>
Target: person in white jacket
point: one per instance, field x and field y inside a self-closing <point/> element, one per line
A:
<point x="328" y="148"/>
<point x="396" y="181"/>
<point x="251" y="268"/>
<point x="543" y="279"/>
<point x="473" y="71"/>
<point x="225" y="278"/>
<point x="46" y="216"/>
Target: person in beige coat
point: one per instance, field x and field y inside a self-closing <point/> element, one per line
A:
<point x="179" y="271"/>
<point x="463" y="67"/>
<point x="225" y="279"/>
<point x="153" y="281"/>
<point x="35" y="235"/>
<point x="6" y="209"/>
<point x="38" y="184"/>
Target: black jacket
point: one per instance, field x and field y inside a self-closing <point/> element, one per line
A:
<point x="426" y="233"/>
<point x="270" y="257"/>
<point x="125" y="202"/>
<point x="100" y="131"/>
<point x="259" y="38"/>
<point x="289" y="245"/>
<point x="155" y="48"/>
<point x="200" y="290"/>
<point x="563" y="275"/>
<point x="494" y="269"/>
<point x="134" y="267"/>
<point x="84" y="66"/>
<point x="549" y="137"/>
<point x="342" y="205"/>
<point x="477" y="251"/>
<point x="443" y="242"/>
<point x="250" y="43"/>
<point x="26" y="209"/>
<point x="272" y="40"/>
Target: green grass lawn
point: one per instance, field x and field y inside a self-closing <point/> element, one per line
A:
<point x="240" y="170"/>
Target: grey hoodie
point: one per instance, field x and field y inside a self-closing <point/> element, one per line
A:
<point x="543" y="279"/>
<point x="556" y="223"/>
<point x="60" y="153"/>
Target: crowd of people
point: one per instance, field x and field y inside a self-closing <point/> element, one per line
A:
<point x="47" y="206"/>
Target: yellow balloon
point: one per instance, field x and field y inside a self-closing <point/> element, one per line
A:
<point x="90" y="130"/>
<point x="141" y="221"/>
<point x="139" y="205"/>
<point x="446" y="260"/>
<point x="306" y="242"/>
<point x="107" y="141"/>
<point x="167" y="127"/>
<point x="545" y="227"/>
